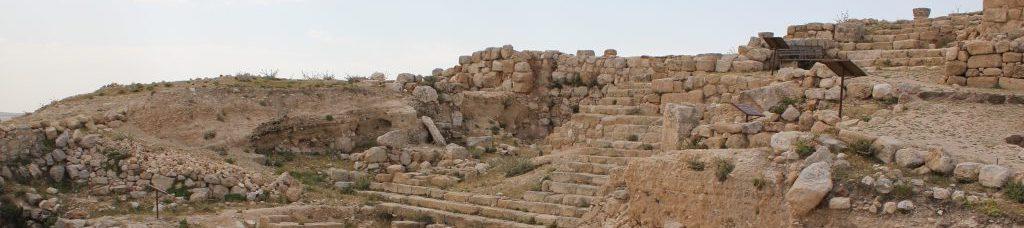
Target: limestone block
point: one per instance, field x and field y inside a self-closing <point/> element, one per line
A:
<point x="979" y="47"/>
<point x="985" y="61"/>
<point x="679" y="121"/>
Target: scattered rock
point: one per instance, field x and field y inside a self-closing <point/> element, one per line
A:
<point x="886" y="147"/>
<point x="811" y="186"/>
<point x="394" y="139"/>
<point x="375" y="155"/>
<point x="967" y="171"/>
<point x="454" y="151"/>
<point x="993" y="176"/>
<point x="909" y="158"/>
<point x="839" y="203"/>
<point x="905" y="205"/>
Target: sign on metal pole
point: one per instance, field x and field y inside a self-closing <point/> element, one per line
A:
<point x="747" y="110"/>
<point x="844" y="69"/>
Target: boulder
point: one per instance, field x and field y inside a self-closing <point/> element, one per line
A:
<point x="811" y="186"/>
<point x="375" y="155"/>
<point x="882" y="91"/>
<point x="791" y="114"/>
<point x="394" y="139"/>
<point x="454" y="151"/>
<point x="162" y="182"/>
<point x="57" y="173"/>
<point x="822" y="154"/>
<point x="939" y="161"/>
<point x="425" y="94"/>
<point x="771" y="95"/>
<point x="886" y="147"/>
<point x="967" y="171"/>
<point x="839" y="203"/>
<point x="909" y="158"/>
<point x="784" y="141"/>
<point x="993" y="176"/>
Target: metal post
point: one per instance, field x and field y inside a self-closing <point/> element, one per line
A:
<point x="842" y="89"/>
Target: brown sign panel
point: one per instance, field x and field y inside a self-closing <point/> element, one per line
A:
<point x="747" y="109"/>
<point x="776" y="43"/>
<point x="844" y="68"/>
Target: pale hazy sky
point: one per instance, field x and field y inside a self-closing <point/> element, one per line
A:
<point x="52" y="49"/>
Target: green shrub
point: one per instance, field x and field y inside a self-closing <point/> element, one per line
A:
<point x="234" y="197"/>
<point x="362" y="183"/>
<point x="902" y="191"/>
<point x="308" y="177"/>
<point x="759" y="183"/>
<point x="329" y="118"/>
<point x="890" y="101"/>
<point x="183" y="223"/>
<point x="695" y="164"/>
<point x="862" y="147"/>
<point x="803" y="149"/>
<point x="633" y="138"/>
<point x="512" y="166"/>
<point x="180" y="192"/>
<point x="723" y="167"/>
<point x="209" y="134"/>
<point x="1015" y="191"/>
<point x="647" y="146"/>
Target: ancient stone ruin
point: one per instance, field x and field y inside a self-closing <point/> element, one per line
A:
<point x="520" y="138"/>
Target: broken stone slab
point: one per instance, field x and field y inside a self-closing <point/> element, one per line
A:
<point x="434" y="132"/>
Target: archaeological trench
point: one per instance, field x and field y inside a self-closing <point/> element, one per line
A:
<point x="931" y="137"/>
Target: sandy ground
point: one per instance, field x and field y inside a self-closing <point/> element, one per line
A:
<point x="968" y="131"/>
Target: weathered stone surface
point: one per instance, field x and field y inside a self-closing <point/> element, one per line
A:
<point x="939" y="161"/>
<point x="375" y="155"/>
<point x="886" y="147"/>
<point x="454" y="151"/>
<point x="679" y="121"/>
<point x="769" y="96"/>
<point x="979" y="47"/>
<point x="394" y="139"/>
<point x="993" y="176"/>
<point x="985" y="61"/>
<point x="162" y="182"/>
<point x="784" y="141"/>
<point x="909" y="158"/>
<point x="967" y="171"/>
<point x="839" y="203"/>
<point x="425" y="94"/>
<point x="435" y="133"/>
<point x="811" y="186"/>
<point x="882" y="91"/>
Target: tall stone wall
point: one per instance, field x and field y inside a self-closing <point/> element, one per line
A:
<point x="871" y="42"/>
<point x="1003" y="16"/>
<point x="992" y="58"/>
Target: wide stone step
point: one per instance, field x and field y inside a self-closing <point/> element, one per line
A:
<point x="570" y="188"/>
<point x="621" y="144"/>
<point x="565" y="199"/>
<point x="476" y="210"/>
<point x="584" y="167"/>
<point x="480" y="199"/>
<point x="613" y="152"/>
<point x="579" y="178"/>
<point x="616" y="101"/>
<point x="615" y="92"/>
<point x="611" y="109"/>
<point x="634" y="85"/>
<point x="617" y="119"/>
<point x="618" y="161"/>
<point x="450" y="218"/>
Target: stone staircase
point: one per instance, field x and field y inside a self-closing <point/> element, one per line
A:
<point x="598" y="140"/>
<point x="463" y="209"/>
